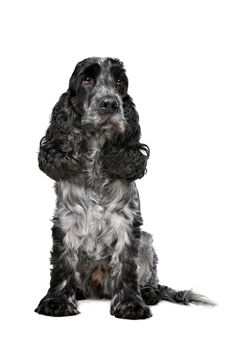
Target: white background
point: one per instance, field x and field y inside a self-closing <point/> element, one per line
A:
<point x="179" y="60"/>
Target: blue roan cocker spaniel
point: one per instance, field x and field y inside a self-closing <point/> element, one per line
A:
<point x="92" y="150"/>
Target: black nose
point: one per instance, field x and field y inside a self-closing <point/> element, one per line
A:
<point x="108" y="105"/>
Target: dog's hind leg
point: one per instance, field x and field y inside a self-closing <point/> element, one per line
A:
<point x="152" y="292"/>
<point x="147" y="270"/>
<point x="61" y="298"/>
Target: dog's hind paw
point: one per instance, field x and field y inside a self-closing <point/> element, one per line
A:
<point x="56" y="307"/>
<point x="149" y="295"/>
<point x="133" y="310"/>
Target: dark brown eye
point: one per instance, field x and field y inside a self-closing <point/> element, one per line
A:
<point x="119" y="81"/>
<point x="87" y="81"/>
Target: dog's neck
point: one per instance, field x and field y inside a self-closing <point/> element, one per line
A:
<point x="95" y="141"/>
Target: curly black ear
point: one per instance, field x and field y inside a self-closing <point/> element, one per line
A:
<point x="60" y="149"/>
<point x="125" y="157"/>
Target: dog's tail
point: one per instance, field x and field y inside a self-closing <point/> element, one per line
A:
<point x="185" y="297"/>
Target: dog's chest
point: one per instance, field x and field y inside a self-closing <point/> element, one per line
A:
<point x="96" y="223"/>
<point x="95" y="213"/>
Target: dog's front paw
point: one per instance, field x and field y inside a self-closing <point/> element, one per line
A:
<point x="133" y="310"/>
<point x="56" y="307"/>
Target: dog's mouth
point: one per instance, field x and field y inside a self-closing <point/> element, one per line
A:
<point x="113" y="123"/>
<point x="107" y="125"/>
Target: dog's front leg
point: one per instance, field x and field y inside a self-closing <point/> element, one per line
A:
<point x="61" y="298"/>
<point x="127" y="301"/>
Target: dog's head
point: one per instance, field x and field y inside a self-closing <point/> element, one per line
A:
<point x="98" y="87"/>
<point x="96" y="106"/>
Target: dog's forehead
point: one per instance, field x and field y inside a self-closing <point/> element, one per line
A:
<point x="108" y="61"/>
<point x="102" y="60"/>
<point x="105" y="66"/>
<point x="105" y="63"/>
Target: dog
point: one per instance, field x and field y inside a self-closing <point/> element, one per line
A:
<point x="93" y="152"/>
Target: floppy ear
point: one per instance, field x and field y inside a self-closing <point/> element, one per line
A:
<point x="60" y="149"/>
<point x="125" y="157"/>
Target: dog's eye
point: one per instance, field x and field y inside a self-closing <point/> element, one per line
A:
<point x="88" y="81"/>
<point x="119" y="81"/>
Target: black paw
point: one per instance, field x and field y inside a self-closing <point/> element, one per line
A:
<point x="133" y="310"/>
<point x="149" y="295"/>
<point x="56" y="307"/>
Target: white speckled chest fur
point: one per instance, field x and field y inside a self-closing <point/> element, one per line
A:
<point x="94" y="212"/>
